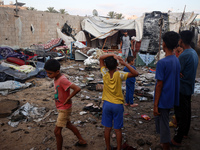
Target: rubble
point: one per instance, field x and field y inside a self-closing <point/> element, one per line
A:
<point x="27" y="112"/>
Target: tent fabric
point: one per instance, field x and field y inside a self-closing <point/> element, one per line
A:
<point x="175" y="20"/>
<point x="101" y="27"/>
<point x="80" y="36"/>
<point x="66" y="38"/>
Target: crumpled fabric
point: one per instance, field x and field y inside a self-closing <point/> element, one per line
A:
<point x="11" y="86"/>
<point x="24" y="68"/>
<point x="9" y="52"/>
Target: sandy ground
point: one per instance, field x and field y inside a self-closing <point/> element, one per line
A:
<point x="40" y="136"/>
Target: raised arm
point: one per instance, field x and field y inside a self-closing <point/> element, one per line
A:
<point x="102" y="57"/>
<point x="133" y="72"/>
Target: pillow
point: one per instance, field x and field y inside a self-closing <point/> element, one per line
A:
<point x="16" y="61"/>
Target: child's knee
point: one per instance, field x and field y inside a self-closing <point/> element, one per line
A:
<point x="57" y="131"/>
<point x="118" y="130"/>
<point x="108" y="128"/>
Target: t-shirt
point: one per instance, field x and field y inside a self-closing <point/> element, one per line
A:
<point x="126" y="42"/>
<point x="62" y="91"/>
<point x="168" y="71"/>
<point x="132" y="79"/>
<point x="112" y="89"/>
<point x="189" y="62"/>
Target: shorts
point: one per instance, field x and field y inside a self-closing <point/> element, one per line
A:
<point x="112" y="112"/>
<point x="162" y="125"/>
<point x="63" y="117"/>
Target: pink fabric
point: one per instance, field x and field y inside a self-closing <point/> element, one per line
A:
<point x="50" y="44"/>
<point x="62" y="92"/>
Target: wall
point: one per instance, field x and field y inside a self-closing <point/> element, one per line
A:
<point x="16" y="31"/>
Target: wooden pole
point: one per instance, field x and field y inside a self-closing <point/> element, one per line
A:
<point x="101" y="35"/>
<point x="104" y="43"/>
<point x="182" y="19"/>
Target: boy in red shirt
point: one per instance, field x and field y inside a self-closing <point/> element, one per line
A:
<point x="63" y="102"/>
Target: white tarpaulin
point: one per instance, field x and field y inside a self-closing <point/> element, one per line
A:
<point x="66" y="38"/>
<point x="103" y="27"/>
<point x="80" y="36"/>
<point x="175" y="20"/>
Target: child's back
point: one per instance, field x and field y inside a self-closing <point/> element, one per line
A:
<point x="112" y="91"/>
<point x="112" y="95"/>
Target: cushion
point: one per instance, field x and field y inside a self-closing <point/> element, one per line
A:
<point x="16" y="61"/>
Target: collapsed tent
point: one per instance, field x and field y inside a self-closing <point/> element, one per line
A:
<point x="101" y="28"/>
<point x="181" y="21"/>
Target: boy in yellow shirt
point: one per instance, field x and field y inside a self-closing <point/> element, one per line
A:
<point x="112" y="95"/>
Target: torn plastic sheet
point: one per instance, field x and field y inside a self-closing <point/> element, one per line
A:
<point x="47" y="114"/>
<point x="27" y="111"/>
<point x="11" y="86"/>
<point x="79" y="44"/>
<point x="89" y="61"/>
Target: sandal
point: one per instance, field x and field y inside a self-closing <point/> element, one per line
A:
<point x="80" y="145"/>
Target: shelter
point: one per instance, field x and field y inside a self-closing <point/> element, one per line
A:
<point x="98" y="29"/>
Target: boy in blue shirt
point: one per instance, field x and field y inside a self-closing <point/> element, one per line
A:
<point x="167" y="87"/>
<point x="189" y="62"/>
<point x="130" y="84"/>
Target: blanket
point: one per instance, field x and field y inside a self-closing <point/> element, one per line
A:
<point x="9" y="52"/>
<point x="48" y="46"/>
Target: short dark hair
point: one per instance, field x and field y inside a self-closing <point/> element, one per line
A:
<point x="186" y="36"/>
<point x="130" y="58"/>
<point x="171" y="39"/>
<point x="125" y="31"/>
<point x="52" y="65"/>
<point x="110" y="62"/>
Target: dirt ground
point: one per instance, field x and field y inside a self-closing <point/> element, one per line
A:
<point x="40" y="136"/>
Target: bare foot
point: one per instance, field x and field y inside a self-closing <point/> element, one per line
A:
<point x="82" y="142"/>
<point x="134" y="105"/>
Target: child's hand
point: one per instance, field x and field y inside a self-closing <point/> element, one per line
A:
<point x="115" y="56"/>
<point x="121" y="61"/>
<point x="67" y="102"/>
<point x="155" y="111"/>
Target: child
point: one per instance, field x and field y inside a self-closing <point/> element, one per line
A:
<point x="189" y="63"/>
<point x="63" y="102"/>
<point x="112" y="95"/>
<point x="126" y="45"/>
<point x="167" y="87"/>
<point x="130" y="84"/>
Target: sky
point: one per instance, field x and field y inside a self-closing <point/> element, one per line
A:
<point x="126" y="7"/>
